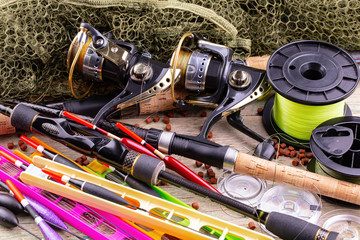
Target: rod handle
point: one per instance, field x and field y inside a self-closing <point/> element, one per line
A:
<point x="296" y="228"/>
<point x="259" y="62"/>
<point x="327" y="186"/>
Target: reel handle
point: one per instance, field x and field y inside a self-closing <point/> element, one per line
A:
<point x="327" y="186"/>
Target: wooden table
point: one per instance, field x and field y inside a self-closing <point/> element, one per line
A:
<point x="223" y="134"/>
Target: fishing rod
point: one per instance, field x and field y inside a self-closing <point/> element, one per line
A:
<point x="230" y="159"/>
<point x="143" y="167"/>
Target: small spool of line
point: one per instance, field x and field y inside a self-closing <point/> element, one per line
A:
<point x="311" y="80"/>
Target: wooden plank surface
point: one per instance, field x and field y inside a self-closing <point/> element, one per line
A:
<point x="223" y="134"/>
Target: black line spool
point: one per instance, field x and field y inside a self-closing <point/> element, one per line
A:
<point x="310" y="75"/>
<point x="336" y="147"/>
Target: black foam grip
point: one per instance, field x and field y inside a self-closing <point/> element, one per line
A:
<point x="146" y="168"/>
<point x="22" y="117"/>
<point x="197" y="189"/>
<point x="206" y="153"/>
<point x="101" y="192"/>
<point x="289" y="228"/>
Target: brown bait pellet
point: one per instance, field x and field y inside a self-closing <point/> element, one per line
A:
<point x="10" y="145"/>
<point x="276" y="147"/>
<point x="137" y="125"/>
<point x="83" y="157"/>
<point x="79" y="160"/>
<point x="295" y="162"/>
<point x="281" y="151"/>
<point x="210" y="135"/>
<point x="170" y="114"/>
<point x="168" y="127"/>
<point x="20" y="142"/>
<point x="200" y="174"/>
<point x="207" y="166"/>
<point x="293" y="154"/>
<point x="309" y="155"/>
<point x="203" y="114"/>
<point x="283" y="145"/>
<point x="291" y="148"/>
<point x="287" y="152"/>
<point x="251" y="225"/>
<point x="211" y="174"/>
<point x="156" y="118"/>
<point x="195" y="205"/>
<point x="148" y="119"/>
<point x="23" y="147"/>
<point x="304" y="161"/>
<point x="275" y="140"/>
<point x="301" y="150"/>
<point x="85" y="162"/>
<point x="260" y="111"/>
<point x="198" y="164"/>
<point x="209" y="170"/>
<point x="184" y="113"/>
<point x="213" y="180"/>
<point x="166" y="120"/>
<point x="301" y="155"/>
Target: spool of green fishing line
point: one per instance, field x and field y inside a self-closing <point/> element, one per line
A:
<point x="336" y="148"/>
<point x="298" y="120"/>
<point x="311" y="79"/>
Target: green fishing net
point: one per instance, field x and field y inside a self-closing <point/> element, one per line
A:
<point x="35" y="34"/>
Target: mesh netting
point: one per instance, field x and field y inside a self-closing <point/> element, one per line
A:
<point x="35" y="34"/>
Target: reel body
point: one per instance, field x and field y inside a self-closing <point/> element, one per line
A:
<point x="99" y="58"/>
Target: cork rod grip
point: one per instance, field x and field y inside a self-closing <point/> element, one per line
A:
<point x="327" y="186"/>
<point x="259" y="62"/>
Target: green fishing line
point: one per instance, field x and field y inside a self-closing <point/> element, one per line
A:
<point x="298" y="120"/>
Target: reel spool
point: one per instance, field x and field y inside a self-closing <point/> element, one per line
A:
<point x="311" y="79"/>
<point x="291" y="201"/>
<point x="336" y="147"/>
<point x="344" y="221"/>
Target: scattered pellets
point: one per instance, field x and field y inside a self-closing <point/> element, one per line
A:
<point x="85" y="162"/>
<point x="79" y="160"/>
<point x="170" y="114"/>
<point x="211" y="174"/>
<point x="291" y="148"/>
<point x="83" y="157"/>
<point x="260" y="111"/>
<point x="198" y="164"/>
<point x="276" y="147"/>
<point x="293" y="154"/>
<point x="287" y="152"/>
<point x="166" y="120"/>
<point x="309" y="155"/>
<point x="209" y="170"/>
<point x="275" y="140"/>
<point x="23" y="147"/>
<point x="304" y="161"/>
<point x="203" y="114"/>
<point x="301" y="155"/>
<point x="301" y="150"/>
<point x="200" y="174"/>
<point x="184" y="113"/>
<point x="213" y="180"/>
<point x="20" y="142"/>
<point x="252" y="225"/>
<point x="295" y="162"/>
<point x="281" y="151"/>
<point x="137" y="125"/>
<point x="10" y="145"/>
<point x="210" y="135"/>
<point x="148" y="119"/>
<point x="207" y="166"/>
<point x="195" y="205"/>
<point x="283" y="145"/>
<point x="156" y="118"/>
<point x="168" y="127"/>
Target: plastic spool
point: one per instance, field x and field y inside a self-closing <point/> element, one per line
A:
<point x="292" y="201"/>
<point x="344" y="221"/>
<point x="310" y="73"/>
<point x="336" y="147"/>
<point x="245" y="189"/>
